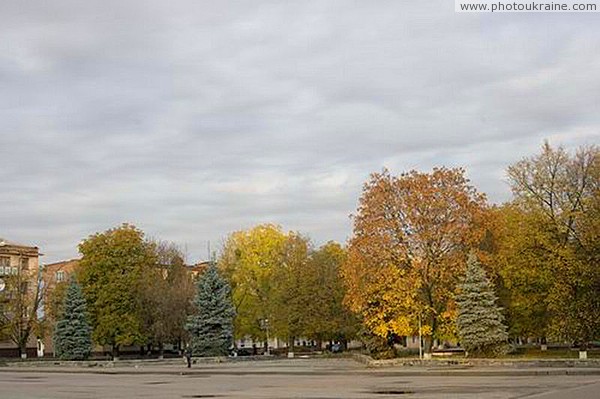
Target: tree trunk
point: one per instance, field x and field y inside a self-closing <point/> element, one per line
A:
<point x="427" y="344"/>
<point x="23" y="349"/>
<point x="428" y="349"/>
<point x="161" y="350"/>
<point x="344" y="342"/>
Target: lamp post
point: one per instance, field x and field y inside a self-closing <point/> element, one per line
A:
<point x="264" y="324"/>
<point x="420" y="340"/>
<point x="267" y="328"/>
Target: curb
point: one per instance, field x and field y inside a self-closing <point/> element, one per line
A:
<point x="109" y="364"/>
<point x="423" y="373"/>
<point x="474" y="362"/>
<point x="364" y="372"/>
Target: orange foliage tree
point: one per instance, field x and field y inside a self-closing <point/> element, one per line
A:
<point x="411" y="237"/>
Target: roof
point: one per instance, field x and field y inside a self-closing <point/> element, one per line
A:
<point x="66" y="265"/>
<point x="63" y="262"/>
<point x="13" y="248"/>
<point x="5" y="242"/>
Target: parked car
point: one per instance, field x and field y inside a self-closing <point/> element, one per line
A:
<point x="336" y="348"/>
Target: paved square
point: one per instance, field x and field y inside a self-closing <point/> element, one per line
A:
<point x="299" y="378"/>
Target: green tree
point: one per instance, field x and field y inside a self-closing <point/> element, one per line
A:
<point x="211" y="325"/>
<point x="291" y="300"/>
<point x="72" y="335"/>
<point x="327" y="318"/>
<point x="522" y="270"/>
<point x="561" y="191"/>
<point x="480" y="320"/>
<point x="112" y="266"/>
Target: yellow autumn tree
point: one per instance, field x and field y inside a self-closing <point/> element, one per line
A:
<point x="249" y="260"/>
<point x="411" y="237"/>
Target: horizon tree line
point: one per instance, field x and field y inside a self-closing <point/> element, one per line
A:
<point x="405" y="263"/>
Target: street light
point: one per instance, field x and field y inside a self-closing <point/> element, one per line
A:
<point x="420" y="340"/>
<point x="265" y="325"/>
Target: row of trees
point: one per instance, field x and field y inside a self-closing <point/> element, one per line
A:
<point x="281" y="283"/>
<point x="414" y="232"/>
<point x="405" y="266"/>
<point x="138" y="291"/>
<point x="210" y="325"/>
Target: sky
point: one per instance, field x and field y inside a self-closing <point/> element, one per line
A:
<point x="194" y="119"/>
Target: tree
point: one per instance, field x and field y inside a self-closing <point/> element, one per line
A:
<point x="248" y="261"/>
<point x="112" y="266"/>
<point x="54" y="303"/>
<point x="480" y="320"/>
<point x="291" y="299"/>
<point x="19" y="316"/>
<point x="521" y="266"/>
<point x="166" y="293"/>
<point x="327" y="318"/>
<point x="72" y="335"/>
<point x="410" y="238"/>
<point x="562" y="192"/>
<point x="211" y="326"/>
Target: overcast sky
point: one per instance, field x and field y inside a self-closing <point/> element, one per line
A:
<point x="193" y="119"/>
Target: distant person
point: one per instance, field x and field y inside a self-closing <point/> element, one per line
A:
<point x="188" y="356"/>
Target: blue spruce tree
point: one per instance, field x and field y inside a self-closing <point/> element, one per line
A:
<point x="72" y="335"/>
<point x="211" y="325"/>
<point x="480" y="321"/>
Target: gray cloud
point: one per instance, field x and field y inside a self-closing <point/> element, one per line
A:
<point x="193" y="119"/>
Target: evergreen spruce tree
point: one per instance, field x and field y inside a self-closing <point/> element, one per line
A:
<point x="211" y="326"/>
<point x="72" y="335"/>
<point x="480" y="322"/>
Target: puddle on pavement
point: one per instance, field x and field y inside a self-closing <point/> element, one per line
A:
<point x="392" y="392"/>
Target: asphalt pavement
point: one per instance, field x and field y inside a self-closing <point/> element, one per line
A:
<point x="297" y="378"/>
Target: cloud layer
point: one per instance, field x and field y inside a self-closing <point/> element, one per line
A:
<point x="194" y="119"/>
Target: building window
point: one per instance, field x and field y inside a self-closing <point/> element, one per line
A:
<point x="24" y="263"/>
<point x="4" y="265"/>
<point x="60" y="276"/>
